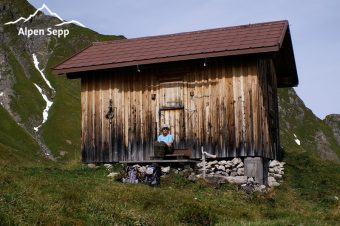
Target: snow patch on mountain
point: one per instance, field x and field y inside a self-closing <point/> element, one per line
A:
<point x="36" y="64"/>
<point x="47" y="108"/>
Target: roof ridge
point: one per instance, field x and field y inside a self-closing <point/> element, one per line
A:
<point x="192" y="32"/>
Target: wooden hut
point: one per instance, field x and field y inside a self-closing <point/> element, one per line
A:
<point x="216" y="88"/>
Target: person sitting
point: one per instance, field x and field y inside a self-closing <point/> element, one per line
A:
<point x="164" y="142"/>
<point x="165" y="136"/>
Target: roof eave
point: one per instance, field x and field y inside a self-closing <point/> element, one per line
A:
<point x="266" y="49"/>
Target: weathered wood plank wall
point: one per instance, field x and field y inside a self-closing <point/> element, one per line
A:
<point x="229" y="107"/>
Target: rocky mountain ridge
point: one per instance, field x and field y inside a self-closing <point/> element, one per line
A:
<point x="333" y="121"/>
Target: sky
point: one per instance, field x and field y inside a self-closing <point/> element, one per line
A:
<point x="314" y="26"/>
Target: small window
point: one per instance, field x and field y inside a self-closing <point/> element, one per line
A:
<point x="171" y="94"/>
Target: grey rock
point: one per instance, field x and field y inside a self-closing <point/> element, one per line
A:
<point x="199" y="176"/>
<point x="236" y="161"/>
<point x="113" y="175"/>
<point x="166" y="169"/>
<point x="240" y="171"/>
<point x="277" y="176"/>
<point x="274" y="163"/>
<point x="240" y="165"/>
<point x="270" y="179"/>
<point x="221" y="167"/>
<point x="192" y="177"/>
<point x="250" y="180"/>
<point x="237" y="180"/>
<point x="199" y="165"/>
<point x="108" y="166"/>
<point x="212" y="163"/>
<point x="233" y="174"/>
<point x="223" y="162"/>
<point x="91" y="165"/>
<point x="324" y="147"/>
<point x="273" y="184"/>
<point x="228" y="165"/>
<point x="215" y="180"/>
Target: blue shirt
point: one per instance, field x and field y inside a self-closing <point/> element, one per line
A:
<point x="166" y="139"/>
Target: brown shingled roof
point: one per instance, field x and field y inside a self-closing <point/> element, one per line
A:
<point x="246" y="39"/>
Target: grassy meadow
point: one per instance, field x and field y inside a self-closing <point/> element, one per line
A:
<point x="73" y="194"/>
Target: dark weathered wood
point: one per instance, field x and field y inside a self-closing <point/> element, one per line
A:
<point x="229" y="107"/>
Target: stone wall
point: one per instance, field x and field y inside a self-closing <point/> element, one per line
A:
<point x="220" y="172"/>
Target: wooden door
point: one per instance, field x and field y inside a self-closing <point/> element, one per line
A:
<point x="171" y="110"/>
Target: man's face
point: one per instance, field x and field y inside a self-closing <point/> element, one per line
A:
<point x="165" y="131"/>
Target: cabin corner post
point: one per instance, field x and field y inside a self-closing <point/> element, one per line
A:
<point x="257" y="167"/>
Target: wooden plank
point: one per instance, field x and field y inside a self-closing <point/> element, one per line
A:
<point x="242" y="109"/>
<point x="127" y="114"/>
<point x="105" y="98"/>
<point x="230" y="145"/>
<point x="97" y="119"/>
<point x="153" y="113"/>
<point x="236" y="120"/>
<point x="84" y="118"/>
<point x="91" y="119"/>
<point x="223" y="111"/>
<point x="252" y="107"/>
<point x="140" y="115"/>
<point x="246" y="114"/>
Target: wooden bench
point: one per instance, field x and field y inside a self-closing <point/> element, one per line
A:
<point x="180" y="153"/>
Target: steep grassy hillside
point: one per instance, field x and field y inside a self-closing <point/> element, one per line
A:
<point x="61" y="133"/>
<point x="17" y="146"/>
<point x="317" y="138"/>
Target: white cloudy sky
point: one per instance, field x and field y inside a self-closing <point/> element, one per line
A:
<point x="314" y="24"/>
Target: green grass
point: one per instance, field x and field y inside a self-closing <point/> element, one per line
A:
<point x="17" y="146"/>
<point x="26" y="100"/>
<point x="76" y="195"/>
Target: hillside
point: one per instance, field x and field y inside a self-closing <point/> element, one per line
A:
<point x="316" y="136"/>
<point x="59" y="136"/>
<point x="37" y="191"/>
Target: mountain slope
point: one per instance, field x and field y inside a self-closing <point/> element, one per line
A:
<point x="19" y="78"/>
<point x="334" y="122"/>
<point x="16" y="144"/>
<point x="315" y="136"/>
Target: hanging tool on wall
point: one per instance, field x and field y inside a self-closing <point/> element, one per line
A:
<point x="109" y="115"/>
